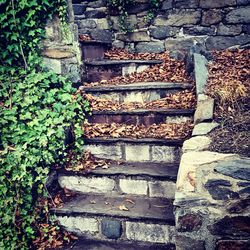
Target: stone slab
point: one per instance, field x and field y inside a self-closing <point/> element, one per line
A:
<point x="197" y="143"/>
<point x="204" y="128"/>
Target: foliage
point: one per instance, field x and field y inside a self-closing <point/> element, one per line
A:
<point x="36" y="109"/>
<point x="123" y="6"/>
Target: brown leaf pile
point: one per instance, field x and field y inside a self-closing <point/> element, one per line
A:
<point x="181" y="100"/>
<point x="171" y="70"/>
<point x="83" y="38"/>
<point x="89" y="162"/>
<point x="114" y="130"/>
<point x="229" y="76"/>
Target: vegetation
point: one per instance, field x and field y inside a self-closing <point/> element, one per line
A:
<point x="36" y="109"/>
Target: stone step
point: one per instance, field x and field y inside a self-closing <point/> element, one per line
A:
<point x="92" y="50"/>
<point x="135" y="150"/>
<point x="136" y="92"/>
<point x="148" y="179"/>
<point x="100" y="217"/>
<point x="83" y="244"/>
<point x="106" y="69"/>
<point x="145" y="117"/>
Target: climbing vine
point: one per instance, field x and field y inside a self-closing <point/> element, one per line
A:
<point x="123" y="7"/>
<point x="36" y="108"/>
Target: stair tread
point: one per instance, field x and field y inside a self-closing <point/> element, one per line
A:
<point x="104" y="62"/>
<point x="138" y="86"/>
<point x="107" y="140"/>
<point x="93" y="42"/>
<point x="83" y="244"/>
<point x="150" y="169"/>
<point x="140" y="208"/>
<point x="166" y="111"/>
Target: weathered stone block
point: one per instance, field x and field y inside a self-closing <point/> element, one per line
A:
<point x="105" y="151"/>
<point x="205" y="109"/>
<point x="238" y="169"/>
<point x="102" y="23"/>
<point x="186" y="4"/>
<point x="229" y="30"/>
<point x="204" y="128"/>
<point x="138" y="187"/>
<point x="199" y="30"/>
<point x="178" y="119"/>
<point x="95" y="14"/>
<point x="227" y="226"/>
<point x="118" y="44"/>
<point x="97" y="4"/>
<point x="87" y="185"/>
<point x="137" y="153"/>
<point x="101" y="35"/>
<point x="139" y="36"/>
<point x="239" y="15"/>
<point x="179" y="44"/>
<point x="164" y="189"/>
<point x="79" y="9"/>
<point x="89" y="24"/>
<point x="78" y="224"/>
<point x="147" y="232"/>
<point x="183" y="242"/>
<point x="150" y="47"/>
<point x="189" y="222"/>
<point x="126" y="70"/>
<point x="167" y="4"/>
<point x="164" y="154"/>
<point x="161" y="32"/>
<point x="53" y="64"/>
<point x="57" y="54"/>
<point x="209" y="4"/>
<point x="112" y="229"/>
<point x="212" y="16"/>
<point x="142" y="68"/>
<point x="197" y="143"/>
<point x="246" y="28"/>
<point x="232" y="244"/>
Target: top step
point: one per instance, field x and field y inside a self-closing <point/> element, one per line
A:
<point x="108" y="62"/>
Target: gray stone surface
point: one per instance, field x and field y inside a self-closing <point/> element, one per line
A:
<point x="239" y="15"/>
<point x="148" y="232"/>
<point x="167" y="4"/>
<point x="137" y="36"/>
<point x="204" y="128"/>
<point x="129" y="186"/>
<point x="216" y="4"/>
<point x="229" y="30"/>
<point x="101" y="35"/>
<point x="204" y="111"/>
<point x="161" y="32"/>
<point x="201" y="72"/>
<point x="238" y="169"/>
<point x="243" y="2"/>
<point x="79" y="9"/>
<point x="186" y="4"/>
<point x="187" y="243"/>
<point x="165" y="189"/>
<point x="212" y="16"/>
<point x="137" y="153"/>
<point x="90" y="24"/>
<point x="150" y="47"/>
<point x="53" y="64"/>
<point x="199" y="30"/>
<point x="112" y="229"/>
<point x="197" y="143"/>
<point x="164" y="154"/>
<point x="179" y="44"/>
<point x="95" y="14"/>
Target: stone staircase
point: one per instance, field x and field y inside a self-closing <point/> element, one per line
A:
<point x="130" y="204"/>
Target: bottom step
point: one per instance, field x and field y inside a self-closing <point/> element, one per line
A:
<point x="120" y="218"/>
<point x="82" y="244"/>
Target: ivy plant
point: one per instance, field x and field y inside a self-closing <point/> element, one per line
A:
<point x="37" y="107"/>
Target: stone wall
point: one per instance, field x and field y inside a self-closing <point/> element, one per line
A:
<point x="61" y="51"/>
<point x="212" y="199"/>
<point x="178" y="24"/>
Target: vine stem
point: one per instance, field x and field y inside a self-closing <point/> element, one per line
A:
<point x="20" y="42"/>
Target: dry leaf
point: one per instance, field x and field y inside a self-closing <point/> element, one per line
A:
<point x="123" y="208"/>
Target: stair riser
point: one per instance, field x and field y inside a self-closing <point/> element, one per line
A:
<point x="141" y="152"/>
<point x="134" y="95"/>
<point x="93" y="51"/>
<point x="107" y="72"/>
<point x="108" y="229"/>
<point x="118" y="185"/>
<point x="145" y="120"/>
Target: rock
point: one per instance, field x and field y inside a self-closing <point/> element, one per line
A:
<point x="204" y="128"/>
<point x="232" y="244"/>
<point x="239" y="206"/>
<point x="79" y="9"/>
<point x="183" y="242"/>
<point x="210" y="17"/>
<point x="138" y="187"/>
<point x="179" y="44"/>
<point x="137" y="8"/>
<point x="246" y="28"/>
<point x="112" y="229"/>
<point x="197" y="143"/>
<point x="101" y="35"/>
<point x="118" y="44"/>
<point x="245" y="191"/>
<point x="217" y="182"/>
<point x="220" y="193"/>
<point x="201" y="72"/>
<point x="189" y="223"/>
<point x="164" y="154"/>
<point x="90" y="24"/>
<point x="178" y="18"/>
<point x="186" y="4"/>
<point x="238" y="169"/>
<point x="165" y="189"/>
<point x="161" y="32"/>
<point x="239" y="15"/>
<point x="204" y="110"/>
<point x="209" y="4"/>
<point x="222" y="42"/>
<point x="96" y="4"/>
<point x="243" y="184"/>
<point x="95" y="14"/>
<point x="199" y="30"/>
<point x="227" y="226"/>
<point x="137" y="152"/>
<point x="243" y="2"/>
<point x="138" y="36"/>
<point x="57" y="54"/>
<point x="102" y="23"/>
<point x="150" y="47"/>
<point x="229" y="30"/>
<point x="167" y="4"/>
<point x="53" y="64"/>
